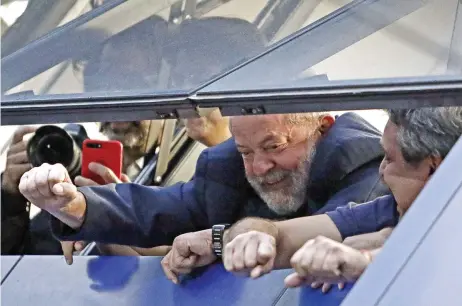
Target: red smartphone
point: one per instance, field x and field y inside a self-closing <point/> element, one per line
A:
<point x="109" y="153"/>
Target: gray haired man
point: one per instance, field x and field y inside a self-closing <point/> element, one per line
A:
<point x="415" y="142"/>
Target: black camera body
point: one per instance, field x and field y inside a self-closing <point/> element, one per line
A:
<point x="54" y="145"/>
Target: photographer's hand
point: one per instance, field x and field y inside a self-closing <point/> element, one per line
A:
<point x="17" y="162"/>
<point x="104" y="172"/>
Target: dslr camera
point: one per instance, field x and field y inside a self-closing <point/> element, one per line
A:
<point x="55" y="145"/>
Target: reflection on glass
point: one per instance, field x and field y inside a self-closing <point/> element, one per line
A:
<point x="147" y="45"/>
<point x="416" y="45"/>
<point x="380" y="39"/>
<point x="203" y="48"/>
<point x="24" y="21"/>
<point x="10" y="11"/>
<point x="111" y="273"/>
<point x="128" y="60"/>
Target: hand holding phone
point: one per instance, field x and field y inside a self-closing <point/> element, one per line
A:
<point x="106" y="153"/>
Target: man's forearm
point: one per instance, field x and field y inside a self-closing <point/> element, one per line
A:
<point x="133" y="214"/>
<point x="116" y="250"/>
<point x="294" y="233"/>
<point x="125" y="250"/>
<point x="290" y="235"/>
<point x="250" y="224"/>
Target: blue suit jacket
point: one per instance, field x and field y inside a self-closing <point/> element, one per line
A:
<point x="344" y="169"/>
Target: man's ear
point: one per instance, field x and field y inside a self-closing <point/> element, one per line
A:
<point x="434" y="162"/>
<point x="326" y="121"/>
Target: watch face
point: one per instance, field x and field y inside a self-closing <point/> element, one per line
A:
<point x="219" y="227"/>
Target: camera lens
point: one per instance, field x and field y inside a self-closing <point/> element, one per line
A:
<point x="54" y="145"/>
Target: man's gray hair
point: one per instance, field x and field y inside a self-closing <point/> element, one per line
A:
<point x="425" y="132"/>
<point x="297" y="119"/>
<point x="302" y="119"/>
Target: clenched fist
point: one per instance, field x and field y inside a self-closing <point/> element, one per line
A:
<point x="322" y="260"/>
<point x="189" y="251"/>
<point x="254" y="251"/>
<point x="49" y="187"/>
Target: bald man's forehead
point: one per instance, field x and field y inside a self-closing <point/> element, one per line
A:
<point x="255" y="131"/>
<point x="257" y="120"/>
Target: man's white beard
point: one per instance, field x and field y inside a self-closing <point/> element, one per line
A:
<point x="289" y="200"/>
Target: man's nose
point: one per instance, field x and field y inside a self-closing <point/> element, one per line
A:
<point x="382" y="167"/>
<point x="261" y="165"/>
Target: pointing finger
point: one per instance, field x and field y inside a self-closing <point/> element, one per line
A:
<point x="68" y="248"/>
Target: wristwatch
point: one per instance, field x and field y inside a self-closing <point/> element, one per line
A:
<point x="217" y="238"/>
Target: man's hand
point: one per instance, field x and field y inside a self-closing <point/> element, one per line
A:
<point x="322" y="260"/>
<point x="104" y="172"/>
<point x="17" y="162"/>
<point x="49" y="187"/>
<point x="210" y="129"/>
<point x="370" y="241"/>
<point x="69" y="247"/>
<point x="189" y="251"/>
<point x="254" y="251"/>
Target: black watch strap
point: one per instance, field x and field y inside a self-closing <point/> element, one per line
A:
<point x="217" y="238"/>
